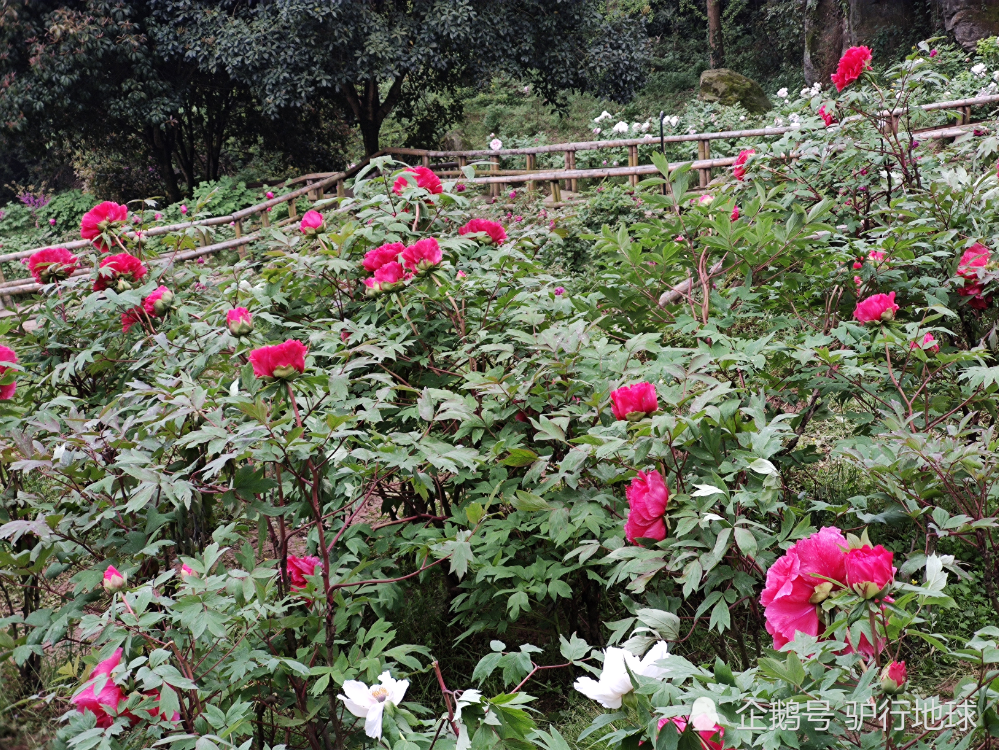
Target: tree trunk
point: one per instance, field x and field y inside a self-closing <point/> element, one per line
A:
<point x="717" y="53"/>
<point x="369" y="111"/>
<point x="161" y="144"/>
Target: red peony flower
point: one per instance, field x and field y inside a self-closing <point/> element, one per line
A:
<point x="893" y="677"/>
<point x="113" y="580"/>
<point x="52" y="264"/>
<point x="853" y="62"/>
<point x="633" y="402"/>
<point x="647" y="499"/>
<point x="869" y="572"/>
<point x="130" y="318"/>
<point x="7" y="355"/>
<point x="739" y="168"/>
<point x="158" y="302"/>
<point x="89" y="698"/>
<point x="121" y="270"/>
<point x="311" y="223"/>
<point x="711" y="739"/>
<point x="425" y="178"/>
<point x="495" y="231"/>
<point x="876" y="256"/>
<point x="99" y="219"/>
<point x="735" y="213"/>
<point x="796" y="584"/>
<point x="299" y="568"/>
<point x="239" y="321"/>
<point x="876" y="308"/>
<point x="279" y="361"/>
<point x="929" y="344"/>
<point x="422" y="255"/>
<point x="379" y="256"/>
<point x="827" y="118"/>
<point x="974" y="258"/>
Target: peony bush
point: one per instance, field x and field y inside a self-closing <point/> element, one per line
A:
<point x="398" y="478"/>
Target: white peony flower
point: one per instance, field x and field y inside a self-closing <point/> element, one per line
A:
<point x="703" y="715"/>
<point x="674" y="120"/>
<point x="602" y="116"/>
<point x="596" y="131"/>
<point x="742" y="118"/>
<point x="782" y="93"/>
<point x="978" y="69"/>
<point x="779" y="121"/>
<point x="495" y="144"/>
<point x="467" y="698"/>
<point x="368" y="703"/>
<point x="621" y="127"/>
<point x="805" y="93"/>
<point x="614" y="682"/>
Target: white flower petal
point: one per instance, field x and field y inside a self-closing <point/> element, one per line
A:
<point x="703" y="715"/>
<point x="373" y="724"/>
<point x="359" y="694"/>
<point x="648" y="668"/>
<point x="596" y="691"/>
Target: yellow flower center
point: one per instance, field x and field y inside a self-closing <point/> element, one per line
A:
<point x="379" y="693"/>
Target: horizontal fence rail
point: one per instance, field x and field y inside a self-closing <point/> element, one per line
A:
<point x="317" y="183"/>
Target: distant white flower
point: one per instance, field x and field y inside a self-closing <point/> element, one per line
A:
<point x="795" y="120"/>
<point x="495" y="144"/>
<point x="995" y="76"/>
<point x="691" y="131"/>
<point x="614" y="682"/>
<point x="59" y="452"/>
<point x="704" y="715"/>
<point x="596" y="131"/>
<point x="636" y="126"/>
<point x="674" y="120"/>
<point x="647" y="137"/>
<point x="467" y="698"/>
<point x="368" y="703"/>
<point x="816" y="87"/>
<point x="602" y="116"/>
<point x="805" y="93"/>
<point x="742" y="118"/>
<point x="782" y="93"/>
<point x="979" y="69"/>
<point x="646" y="126"/>
<point x="621" y="127"/>
<point x="779" y="121"/>
<point x="527" y="89"/>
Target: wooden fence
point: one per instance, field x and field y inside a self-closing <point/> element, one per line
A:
<point x="317" y="184"/>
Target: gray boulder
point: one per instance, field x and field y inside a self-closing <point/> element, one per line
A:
<point x="728" y="87"/>
<point x="969" y="20"/>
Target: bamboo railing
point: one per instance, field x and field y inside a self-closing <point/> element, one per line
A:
<point x="316" y="184"/>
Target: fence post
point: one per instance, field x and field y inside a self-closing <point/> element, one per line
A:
<point x="633" y="162"/>
<point x="570" y="163"/>
<point x="704" y="153"/>
<point x="341" y="189"/>
<point x="292" y="209"/>
<point x="531" y="166"/>
<point x="265" y="219"/>
<point x="426" y="161"/>
<point x="495" y="188"/>
<point x="312" y="193"/>
<point x="965" y="115"/>
<point x="556" y="193"/>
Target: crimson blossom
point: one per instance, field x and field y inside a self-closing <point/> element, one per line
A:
<point x="851" y="65"/>
<point x="633" y="402"/>
<point x="425" y="178"/>
<point x="299" y="568"/>
<point x="10" y="357"/>
<point x="282" y="361"/>
<point x="379" y="256"/>
<point x="121" y="270"/>
<point x="101" y="218"/>
<point x="52" y="264"/>
<point x="495" y="231"/>
<point x="422" y="256"/>
<point x="876" y="308"/>
<point x="648" y="497"/>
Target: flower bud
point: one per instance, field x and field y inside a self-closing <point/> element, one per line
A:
<point x="187" y="572"/>
<point x="821" y="593"/>
<point x="240" y="322"/>
<point x="164" y="303"/>
<point x="893" y="677"/>
<point x="113" y="579"/>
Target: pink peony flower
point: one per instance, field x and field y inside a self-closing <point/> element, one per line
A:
<point x="157" y="216"/>
<point x="739" y="168"/>
<point x="851" y="65"/>
<point x="711" y="739"/>
<point x="869" y="572"/>
<point x="113" y="580"/>
<point x="857" y="280"/>
<point x="559" y="291"/>
<point x="857" y="265"/>
<point x="706" y="199"/>
<point x="158" y="302"/>
<point x="100" y="219"/>
<point x="239" y="321"/>
<point x="461" y="275"/>
<point x="52" y="264"/>
<point x="299" y="568"/>
<point x="183" y="209"/>
<point x="269" y="195"/>
<point x="893" y="677"/>
<point x="495" y="231"/>
<point x="311" y="222"/>
<point x="187" y="572"/>
<point x="633" y="402"/>
<point x="796" y="584"/>
<point x="929" y="344"/>
<point x="827" y="118"/>
<point x="876" y="308"/>
<point x="647" y="499"/>
<point x="876" y="256"/>
<point x="422" y="255"/>
<point x="425" y="178"/>
<point x="89" y="698"/>
<point x="379" y="256"/>
<point x="735" y="213"/>
<point x="52" y="222"/>
<point x="933" y="53"/>
<point x="122" y="270"/>
<point x="281" y="361"/>
<point x="10" y="357"/>
<point x="391" y="275"/>
<point x="972" y="261"/>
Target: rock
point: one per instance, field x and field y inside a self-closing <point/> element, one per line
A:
<point x="823" y="40"/>
<point x="728" y="87"/>
<point x="969" y="20"/>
